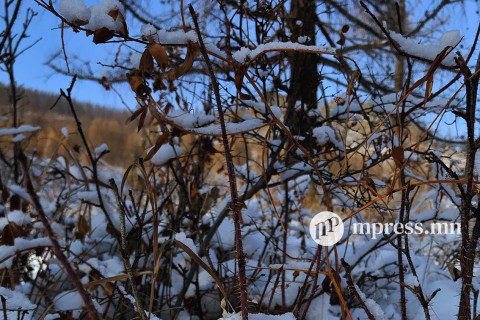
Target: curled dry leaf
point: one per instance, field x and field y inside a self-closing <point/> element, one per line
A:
<point x="159" y="54"/>
<point x="146" y="62"/>
<point x="138" y="85"/>
<point x="192" y="52"/>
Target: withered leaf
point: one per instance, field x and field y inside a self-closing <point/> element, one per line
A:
<point x="135" y="114"/>
<point x="371" y="183"/>
<point x="102" y="35"/>
<point x="141" y="121"/>
<point x="82" y="228"/>
<point x="159" y="54"/>
<point x="429" y="88"/>
<point x="398" y="155"/>
<point x="345" y="28"/>
<point x="15" y="202"/>
<point x="158" y="84"/>
<point x="9" y="233"/>
<point x="113" y="13"/>
<point x="342" y="40"/>
<point x="146" y="62"/>
<point x="192" y="52"/>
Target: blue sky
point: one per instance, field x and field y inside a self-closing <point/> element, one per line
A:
<point x="32" y="72"/>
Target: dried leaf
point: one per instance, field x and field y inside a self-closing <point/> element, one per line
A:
<point x="398" y="155"/>
<point x="342" y="40"/>
<point x="371" y="183"/>
<point x="429" y="88"/>
<point x="345" y="28"/>
<point x="160" y="54"/>
<point x="146" y="62"/>
<point x="15" y="202"/>
<point x="141" y="121"/>
<point x="114" y="14"/>
<point x="158" y="84"/>
<point x="9" y="233"/>
<point x="454" y="272"/>
<point x="102" y="35"/>
<point x="82" y="228"/>
<point x="192" y="53"/>
<point x="356" y="75"/>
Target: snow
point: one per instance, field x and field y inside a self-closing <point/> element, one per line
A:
<point x="260" y="316"/>
<point x="18" y="130"/>
<point x="20" y="244"/>
<point x="74" y="10"/>
<point x="18" y="217"/>
<point x="65" y="132"/>
<point x="176" y="37"/>
<point x="231" y="127"/>
<point x="372" y="306"/>
<point x="15" y="301"/>
<point x="135" y="59"/>
<point x="100" y="18"/>
<point x="245" y="53"/>
<point x="260" y="106"/>
<point x="430" y="52"/>
<point x="166" y="153"/>
<point x="18" y="137"/>
<point x="189" y="119"/>
<point x="19" y="191"/>
<point x="101" y="148"/>
<point x="326" y="134"/>
<point x="148" y="30"/>
<point x="68" y="301"/>
<point x="182" y="237"/>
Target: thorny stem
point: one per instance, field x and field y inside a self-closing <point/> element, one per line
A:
<point x="231" y="174"/>
<point x="51" y="235"/>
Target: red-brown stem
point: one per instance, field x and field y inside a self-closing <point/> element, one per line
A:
<point x="231" y="174"/>
<point x="51" y="235"/>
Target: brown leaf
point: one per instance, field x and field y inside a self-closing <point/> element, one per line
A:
<point x="114" y="14"/>
<point x="141" y="121"/>
<point x="192" y="52"/>
<point x="398" y="155"/>
<point x="9" y="233"/>
<point x="158" y="84"/>
<point x="146" y="62"/>
<point x="428" y="89"/>
<point x="245" y="96"/>
<point x="454" y="272"/>
<point x="15" y="202"/>
<point x="356" y="75"/>
<point x="371" y="183"/>
<point x="345" y="28"/>
<point x="135" y="114"/>
<point x="82" y="228"/>
<point x="102" y="35"/>
<point x="342" y="40"/>
<point x="160" y="54"/>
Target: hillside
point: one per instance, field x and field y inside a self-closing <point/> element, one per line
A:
<point x="101" y="125"/>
